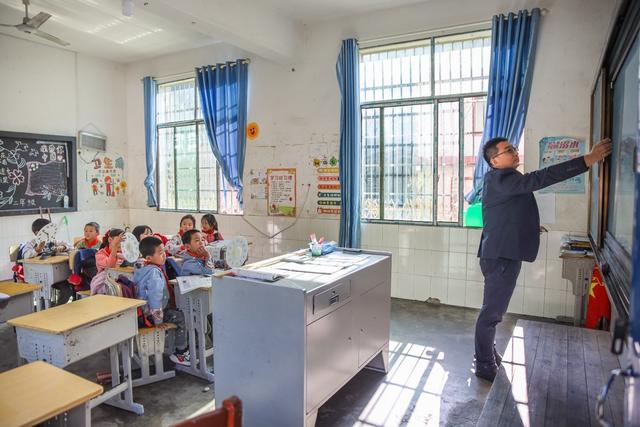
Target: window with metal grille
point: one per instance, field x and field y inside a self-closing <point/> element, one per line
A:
<point x="189" y="177"/>
<point x="423" y="106"/>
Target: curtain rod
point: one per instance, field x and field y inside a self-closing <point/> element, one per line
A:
<point x="188" y="74"/>
<point x="372" y="42"/>
<point x="232" y="64"/>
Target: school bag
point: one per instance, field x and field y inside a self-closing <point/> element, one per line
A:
<point x="84" y="269"/>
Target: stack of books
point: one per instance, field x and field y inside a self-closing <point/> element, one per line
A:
<point x="578" y="246"/>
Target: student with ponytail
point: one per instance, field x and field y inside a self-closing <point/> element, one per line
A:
<point x="109" y="254"/>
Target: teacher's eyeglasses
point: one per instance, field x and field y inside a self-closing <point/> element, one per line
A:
<point x="510" y="150"/>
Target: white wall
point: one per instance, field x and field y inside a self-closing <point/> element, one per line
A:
<point x="54" y="91"/>
<point x="298" y="112"/>
<point x="297" y="108"/>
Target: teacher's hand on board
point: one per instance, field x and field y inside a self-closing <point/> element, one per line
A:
<point x="598" y="152"/>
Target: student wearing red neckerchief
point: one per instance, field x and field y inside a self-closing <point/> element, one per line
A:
<point x="175" y="246"/>
<point x="197" y="261"/>
<point x="210" y="228"/>
<point x="153" y="287"/>
<point x="91" y="239"/>
<point x="109" y="255"/>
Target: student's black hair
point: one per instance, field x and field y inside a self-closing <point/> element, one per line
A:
<point x="211" y="220"/>
<point x="491" y="148"/>
<point x="94" y="225"/>
<point x="189" y="216"/>
<point x="114" y="232"/>
<point x="38" y="224"/>
<point x="148" y="246"/>
<point x="186" y="237"/>
<point x="139" y="231"/>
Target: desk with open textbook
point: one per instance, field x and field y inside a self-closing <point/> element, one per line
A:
<point x="287" y="345"/>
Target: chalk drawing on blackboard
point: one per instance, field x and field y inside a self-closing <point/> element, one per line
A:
<point x="13" y="156"/>
<point x="47" y="179"/>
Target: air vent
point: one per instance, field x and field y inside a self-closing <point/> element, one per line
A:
<point x="91" y="141"/>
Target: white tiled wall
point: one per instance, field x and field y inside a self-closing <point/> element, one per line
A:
<point x="440" y="262"/>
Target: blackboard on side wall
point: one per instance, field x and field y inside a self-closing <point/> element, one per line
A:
<point x="37" y="171"/>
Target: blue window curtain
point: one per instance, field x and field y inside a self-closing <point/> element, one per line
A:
<point x="347" y="69"/>
<point x="513" y="48"/>
<point x="223" y="92"/>
<point x="151" y="146"/>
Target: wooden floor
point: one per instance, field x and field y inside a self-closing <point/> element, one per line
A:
<point x="552" y="375"/>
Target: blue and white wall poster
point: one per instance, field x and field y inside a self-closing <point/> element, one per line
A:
<point x="558" y="149"/>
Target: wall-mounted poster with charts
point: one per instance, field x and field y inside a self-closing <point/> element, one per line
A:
<point x="281" y="192"/>
<point x="327" y="184"/>
<point x="36" y="171"/>
<point x="558" y="149"/>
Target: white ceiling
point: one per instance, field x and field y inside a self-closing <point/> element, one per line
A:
<point x="318" y="10"/>
<point x="264" y="27"/>
<point x="97" y="27"/>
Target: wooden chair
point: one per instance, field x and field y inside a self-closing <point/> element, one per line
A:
<point x="230" y="415"/>
<point x="149" y="344"/>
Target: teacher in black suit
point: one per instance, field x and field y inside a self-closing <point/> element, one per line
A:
<point x="511" y="233"/>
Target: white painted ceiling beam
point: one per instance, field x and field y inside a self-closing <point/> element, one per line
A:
<point x="247" y="25"/>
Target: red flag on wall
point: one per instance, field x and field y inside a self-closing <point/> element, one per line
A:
<point x="598" y="307"/>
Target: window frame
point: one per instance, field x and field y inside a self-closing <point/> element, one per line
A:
<point x="434" y="100"/>
<point x="196" y="122"/>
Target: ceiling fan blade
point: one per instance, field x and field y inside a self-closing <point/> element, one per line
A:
<point x="38" y="20"/>
<point x="49" y="37"/>
<point x="6" y="25"/>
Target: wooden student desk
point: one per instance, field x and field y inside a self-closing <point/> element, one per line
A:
<point x="46" y="272"/>
<point x="71" y="332"/>
<point x="20" y="299"/>
<point x="114" y="272"/>
<point x="34" y="393"/>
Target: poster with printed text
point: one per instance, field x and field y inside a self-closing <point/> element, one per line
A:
<point x="327" y="173"/>
<point x="281" y="192"/>
<point x="558" y="149"/>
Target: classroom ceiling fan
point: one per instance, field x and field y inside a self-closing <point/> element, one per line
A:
<point x="31" y="25"/>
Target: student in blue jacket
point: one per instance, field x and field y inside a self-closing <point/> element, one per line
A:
<point x="197" y="261"/>
<point x="511" y="233"/>
<point x="152" y="285"/>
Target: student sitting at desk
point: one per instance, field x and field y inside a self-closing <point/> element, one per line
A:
<point x="90" y="240"/>
<point x="174" y="246"/>
<point x="210" y="228"/>
<point x="197" y="260"/>
<point x="109" y="255"/>
<point x="142" y="232"/>
<point x="32" y="248"/>
<point x="153" y="287"/>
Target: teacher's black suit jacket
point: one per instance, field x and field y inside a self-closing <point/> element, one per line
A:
<point x="510" y="212"/>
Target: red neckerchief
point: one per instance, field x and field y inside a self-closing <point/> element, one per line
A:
<point x="180" y="232"/>
<point x="213" y="236"/>
<point x="196" y="256"/>
<point x="91" y="243"/>
<point x="172" y="295"/>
